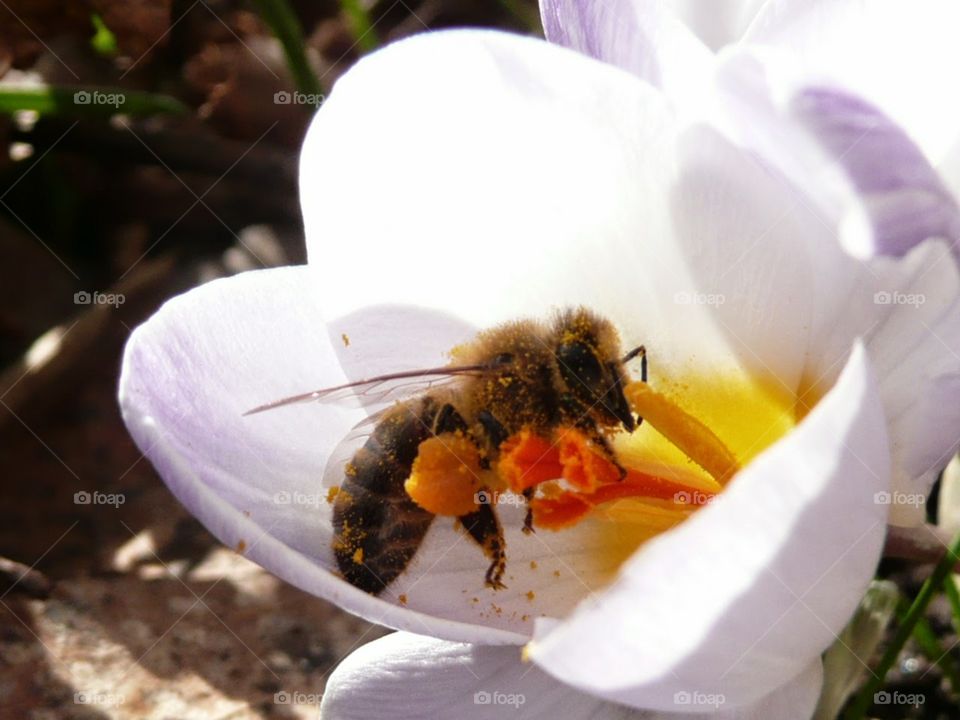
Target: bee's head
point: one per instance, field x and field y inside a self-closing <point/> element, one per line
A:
<point x="590" y="368"/>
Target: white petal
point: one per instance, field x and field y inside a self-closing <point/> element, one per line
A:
<point x="191" y="372"/>
<point x="749" y="591"/>
<point x="900" y="56"/>
<point x="409" y="676"/>
<point x="908" y="312"/>
<point x="717" y="22"/>
<point x="752" y="244"/>
<point x="513" y="177"/>
<point x="383" y="339"/>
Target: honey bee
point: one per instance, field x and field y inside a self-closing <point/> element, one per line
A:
<point x="522" y="375"/>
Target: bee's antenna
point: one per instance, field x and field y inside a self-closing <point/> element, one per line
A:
<point x="638" y="350"/>
<point x="641" y="352"/>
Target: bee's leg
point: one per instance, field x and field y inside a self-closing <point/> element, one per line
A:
<point x="448" y="420"/>
<point x="528" y="519"/>
<point x="484" y="527"/>
<point x="603" y="443"/>
<point x="493" y="428"/>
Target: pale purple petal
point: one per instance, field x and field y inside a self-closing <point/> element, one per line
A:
<point x="638" y="36"/>
<point x="900" y="56"/>
<point x="902" y="195"/>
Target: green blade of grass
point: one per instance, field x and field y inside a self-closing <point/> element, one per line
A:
<point x="527" y="15"/>
<point x="287" y="29"/>
<point x="858" y="708"/>
<point x="953" y="595"/>
<point x="82" y="101"/>
<point x="927" y="640"/>
<point x="361" y="24"/>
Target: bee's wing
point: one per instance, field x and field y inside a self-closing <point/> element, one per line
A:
<point x="381" y="389"/>
<point x="343" y="452"/>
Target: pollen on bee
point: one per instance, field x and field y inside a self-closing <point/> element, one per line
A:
<point x="332" y="494"/>
<point x="358" y="556"/>
<point x="446" y="475"/>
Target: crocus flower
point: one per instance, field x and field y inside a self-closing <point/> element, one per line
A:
<point x="458" y="180"/>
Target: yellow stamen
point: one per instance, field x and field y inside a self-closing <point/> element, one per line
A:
<point x="446" y="476"/>
<point x="691" y="436"/>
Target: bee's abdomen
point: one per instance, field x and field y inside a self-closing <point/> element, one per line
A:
<point x="377" y="527"/>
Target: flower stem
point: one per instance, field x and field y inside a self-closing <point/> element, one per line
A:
<point x="284" y="23"/>
<point x="858" y="708"/>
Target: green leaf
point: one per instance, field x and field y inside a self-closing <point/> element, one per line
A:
<point x="104" y="42"/>
<point x="86" y="101"/>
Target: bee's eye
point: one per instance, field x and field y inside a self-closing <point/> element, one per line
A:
<point x="579" y="367"/>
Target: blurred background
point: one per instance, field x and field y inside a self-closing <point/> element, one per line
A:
<point x="148" y="146"/>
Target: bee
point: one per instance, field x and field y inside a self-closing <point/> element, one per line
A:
<point x="522" y="375"/>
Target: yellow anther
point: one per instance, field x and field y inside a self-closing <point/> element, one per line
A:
<point x="691" y="436"/>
